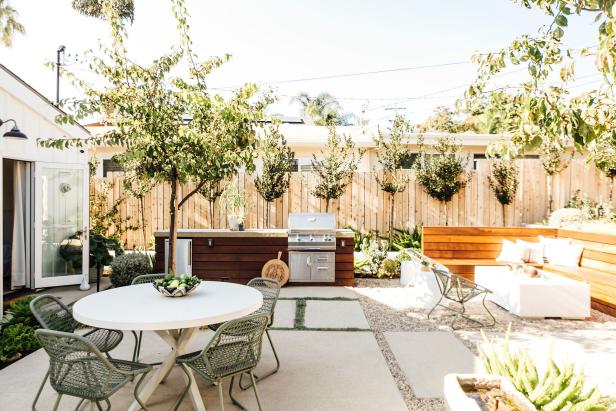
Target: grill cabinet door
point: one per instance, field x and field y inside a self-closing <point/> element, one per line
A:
<point x="299" y="266"/>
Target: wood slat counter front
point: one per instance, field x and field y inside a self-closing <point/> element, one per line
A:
<point x="238" y="256"/>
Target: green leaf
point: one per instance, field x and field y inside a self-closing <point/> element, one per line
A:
<point x="561" y="21"/>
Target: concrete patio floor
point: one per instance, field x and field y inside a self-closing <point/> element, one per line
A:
<point x="364" y="348"/>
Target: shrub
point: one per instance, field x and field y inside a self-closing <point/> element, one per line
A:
<point x="128" y="266"/>
<point x="405" y="238"/>
<point x="389" y="269"/>
<point x="17" y="332"/>
<point x="375" y="251"/>
<point x="19" y="313"/>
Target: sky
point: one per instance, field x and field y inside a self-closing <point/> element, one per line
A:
<point x="281" y="44"/>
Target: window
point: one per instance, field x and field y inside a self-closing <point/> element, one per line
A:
<point x="294" y="165"/>
<point x="110" y="166"/>
<point x="408" y="160"/>
<point x="476" y="158"/>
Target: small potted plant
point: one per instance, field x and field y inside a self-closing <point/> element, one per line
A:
<point x="236" y="206"/>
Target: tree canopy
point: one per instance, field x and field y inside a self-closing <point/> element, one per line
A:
<point x="550" y="117"/>
<point x="334" y="168"/>
<point x="9" y="24"/>
<point x="173" y="129"/>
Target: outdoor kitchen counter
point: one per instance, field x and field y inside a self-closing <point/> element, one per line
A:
<point x="238" y="256"/>
<point x="196" y="233"/>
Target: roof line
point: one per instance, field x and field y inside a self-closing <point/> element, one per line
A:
<point x="41" y="96"/>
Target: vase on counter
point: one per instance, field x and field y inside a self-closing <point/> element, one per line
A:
<point x="234" y="222"/>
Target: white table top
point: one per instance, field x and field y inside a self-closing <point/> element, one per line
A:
<point x="141" y="307"/>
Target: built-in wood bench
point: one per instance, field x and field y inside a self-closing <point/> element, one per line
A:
<point x="461" y="249"/>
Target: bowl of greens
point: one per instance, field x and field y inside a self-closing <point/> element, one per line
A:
<point x="176" y="285"/>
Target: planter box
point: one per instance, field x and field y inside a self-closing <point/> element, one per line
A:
<point x="459" y="390"/>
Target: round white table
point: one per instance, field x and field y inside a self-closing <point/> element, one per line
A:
<point x="142" y="308"/>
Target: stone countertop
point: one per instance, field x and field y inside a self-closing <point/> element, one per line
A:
<point x="198" y="232"/>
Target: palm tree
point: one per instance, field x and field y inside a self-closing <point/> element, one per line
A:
<point x="8" y="23"/>
<point x="323" y="110"/>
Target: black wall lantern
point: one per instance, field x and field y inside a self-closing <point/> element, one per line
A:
<point x="14" y="132"/>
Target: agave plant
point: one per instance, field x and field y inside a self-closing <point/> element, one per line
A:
<point x="562" y="387"/>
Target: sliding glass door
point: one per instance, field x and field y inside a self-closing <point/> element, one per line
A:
<point x="61" y="224"/>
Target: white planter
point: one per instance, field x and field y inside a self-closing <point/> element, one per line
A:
<point x="456" y="388"/>
<point x="234" y="222"/>
<point x="408" y="272"/>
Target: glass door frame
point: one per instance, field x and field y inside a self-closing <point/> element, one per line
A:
<point x="39" y="280"/>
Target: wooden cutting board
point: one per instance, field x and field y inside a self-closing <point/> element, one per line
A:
<point x="276" y="269"/>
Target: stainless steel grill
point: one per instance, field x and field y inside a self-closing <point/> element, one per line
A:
<point x="312" y="246"/>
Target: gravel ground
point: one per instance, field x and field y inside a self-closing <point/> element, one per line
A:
<point x="388" y="307"/>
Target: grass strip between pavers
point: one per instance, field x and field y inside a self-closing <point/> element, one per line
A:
<point x="300" y="315"/>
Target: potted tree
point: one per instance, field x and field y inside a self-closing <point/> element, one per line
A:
<point x="236" y="207"/>
<point x="102" y="252"/>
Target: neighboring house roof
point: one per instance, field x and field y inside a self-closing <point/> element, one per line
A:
<point x="50" y="110"/>
<point x="304" y="135"/>
<point x="316" y="136"/>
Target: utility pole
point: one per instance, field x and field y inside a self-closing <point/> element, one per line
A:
<point x="59" y="52"/>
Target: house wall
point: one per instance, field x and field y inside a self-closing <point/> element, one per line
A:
<point x="35" y="117"/>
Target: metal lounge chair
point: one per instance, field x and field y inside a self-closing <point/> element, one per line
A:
<point x="142" y="279"/>
<point x="79" y="369"/>
<point x="270" y="289"/>
<point x="52" y="314"/>
<point x="460" y="290"/>
<point x="235" y="349"/>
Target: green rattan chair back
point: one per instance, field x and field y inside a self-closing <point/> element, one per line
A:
<point x="270" y="289"/>
<point x="52" y="314"/>
<point x="236" y="346"/>
<point x="76" y="367"/>
<point x="147" y="278"/>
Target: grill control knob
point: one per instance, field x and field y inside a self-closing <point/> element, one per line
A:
<point x="311" y="237"/>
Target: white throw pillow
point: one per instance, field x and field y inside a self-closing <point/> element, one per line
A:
<point x="531" y="252"/>
<point x="567" y="255"/>
<point x="510" y="253"/>
<point x="554" y="248"/>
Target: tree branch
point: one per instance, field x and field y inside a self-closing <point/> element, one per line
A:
<point x="193" y="192"/>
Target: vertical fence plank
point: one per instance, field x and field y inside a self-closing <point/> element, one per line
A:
<point x="364" y="205"/>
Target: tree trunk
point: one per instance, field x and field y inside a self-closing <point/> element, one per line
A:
<point x="446" y="215"/>
<point x="211" y="204"/>
<point x="392" y="198"/>
<point x="504" y="207"/>
<point x="548" y="181"/>
<point x="173" y="230"/>
<point x="142" y="208"/>
<point x="611" y="193"/>
<point x="327" y="205"/>
<point x="267" y="214"/>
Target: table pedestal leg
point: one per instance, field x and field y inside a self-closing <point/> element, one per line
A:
<point x="177" y="341"/>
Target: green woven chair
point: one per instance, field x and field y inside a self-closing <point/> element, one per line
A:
<point x="270" y="289"/>
<point x="460" y="290"/>
<point x="52" y="314"/>
<point x="234" y="350"/>
<point x="79" y="369"/>
<point x="142" y="279"/>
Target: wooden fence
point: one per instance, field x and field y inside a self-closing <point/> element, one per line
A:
<point x="364" y="206"/>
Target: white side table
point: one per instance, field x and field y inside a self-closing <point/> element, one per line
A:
<point x="141" y="307"/>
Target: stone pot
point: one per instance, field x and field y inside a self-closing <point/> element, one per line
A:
<point x="458" y="388"/>
<point x="408" y="272"/>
